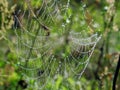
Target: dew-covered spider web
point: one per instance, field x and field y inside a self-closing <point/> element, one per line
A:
<point x="45" y="46"/>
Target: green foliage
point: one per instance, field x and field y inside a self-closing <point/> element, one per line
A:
<point x="99" y="73"/>
<point x="6" y="18"/>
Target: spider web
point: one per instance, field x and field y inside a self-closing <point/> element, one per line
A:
<point x="42" y="50"/>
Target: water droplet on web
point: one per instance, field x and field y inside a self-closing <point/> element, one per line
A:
<point x="63" y="25"/>
<point x="84" y="6"/>
<point x="106" y="8"/>
<point x="95" y="25"/>
<point x="67" y="21"/>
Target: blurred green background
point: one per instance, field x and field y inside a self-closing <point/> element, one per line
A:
<point x="101" y="68"/>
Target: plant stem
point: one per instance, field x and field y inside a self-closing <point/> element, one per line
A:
<point x="116" y="74"/>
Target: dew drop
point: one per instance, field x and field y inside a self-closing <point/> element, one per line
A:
<point x="67" y="21"/>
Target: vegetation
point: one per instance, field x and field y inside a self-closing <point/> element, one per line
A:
<point x="73" y="17"/>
